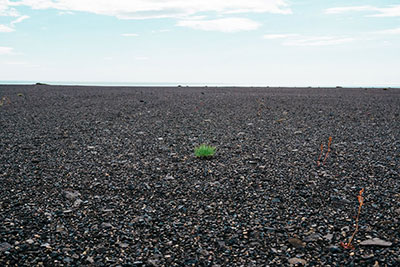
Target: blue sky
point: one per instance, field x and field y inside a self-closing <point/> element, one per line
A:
<point x="242" y="42"/>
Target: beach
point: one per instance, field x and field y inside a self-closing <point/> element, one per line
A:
<point x="108" y="176"/>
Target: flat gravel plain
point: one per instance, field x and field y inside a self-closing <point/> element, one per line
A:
<point x="106" y="176"/>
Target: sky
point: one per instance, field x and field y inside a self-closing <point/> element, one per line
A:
<point x="236" y="42"/>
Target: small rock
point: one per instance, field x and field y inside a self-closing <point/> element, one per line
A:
<point x="90" y="259"/>
<point x="68" y="260"/>
<point x="153" y="262"/>
<point x="328" y="237"/>
<point x="46" y="245"/>
<point x="376" y="242"/>
<point x="106" y="225"/>
<point x="30" y="241"/>
<point x="313" y="237"/>
<point x="204" y="252"/>
<point x="123" y="245"/>
<point x="169" y="177"/>
<point x="334" y="249"/>
<point x="5" y="246"/>
<point x="77" y="202"/>
<point x="71" y="195"/>
<point x="276" y="200"/>
<point x="107" y="210"/>
<point x="200" y="212"/>
<point x="297" y="243"/>
<point x="345" y="229"/>
<point x="296" y="261"/>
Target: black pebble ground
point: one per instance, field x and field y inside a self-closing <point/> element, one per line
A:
<point x="106" y="176"/>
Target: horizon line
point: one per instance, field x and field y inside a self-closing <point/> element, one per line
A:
<point x="187" y="84"/>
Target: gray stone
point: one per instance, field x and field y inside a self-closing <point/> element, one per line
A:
<point x="106" y="225"/>
<point x="72" y="195"/>
<point x="5" y="246"/>
<point x="296" y="261"/>
<point x="376" y="242"/>
<point x="297" y="243"/>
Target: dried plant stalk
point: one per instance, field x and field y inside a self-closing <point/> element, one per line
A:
<point x="349" y="245"/>
<point x="329" y="149"/>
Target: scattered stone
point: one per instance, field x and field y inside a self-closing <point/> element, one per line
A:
<point x="90" y="259"/>
<point x="72" y="195"/>
<point x="297" y="243"/>
<point x="30" y="241"/>
<point x="376" y="242"/>
<point x="276" y="200"/>
<point x="77" y="203"/>
<point x="334" y="249"/>
<point x="328" y="237"/>
<point x="313" y="237"/>
<point x="123" y="245"/>
<point x="169" y="178"/>
<point x="46" y="245"/>
<point x="5" y="246"/>
<point x="106" y="225"/>
<point x="297" y="261"/>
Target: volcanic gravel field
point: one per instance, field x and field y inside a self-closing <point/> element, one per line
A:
<point x="106" y="176"/>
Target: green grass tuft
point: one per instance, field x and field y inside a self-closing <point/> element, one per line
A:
<point x="204" y="151"/>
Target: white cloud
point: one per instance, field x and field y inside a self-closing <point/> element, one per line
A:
<point x="222" y="25"/>
<point x="6" y="50"/>
<point x="4" y="28"/>
<point x="6" y="10"/>
<point x="318" y="41"/>
<point x="391" y="11"/>
<point x="278" y="36"/>
<point x="61" y="13"/>
<point x="144" y="9"/>
<point x="130" y="34"/>
<point x="19" y="19"/>
<point x="390" y="31"/>
<point x="340" y="10"/>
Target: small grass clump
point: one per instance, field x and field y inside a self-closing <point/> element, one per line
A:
<point x="204" y="151"/>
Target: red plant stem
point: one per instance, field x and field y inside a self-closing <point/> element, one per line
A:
<point x="356" y="230"/>
<point x="361" y="201"/>
<point x="329" y="149"/>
